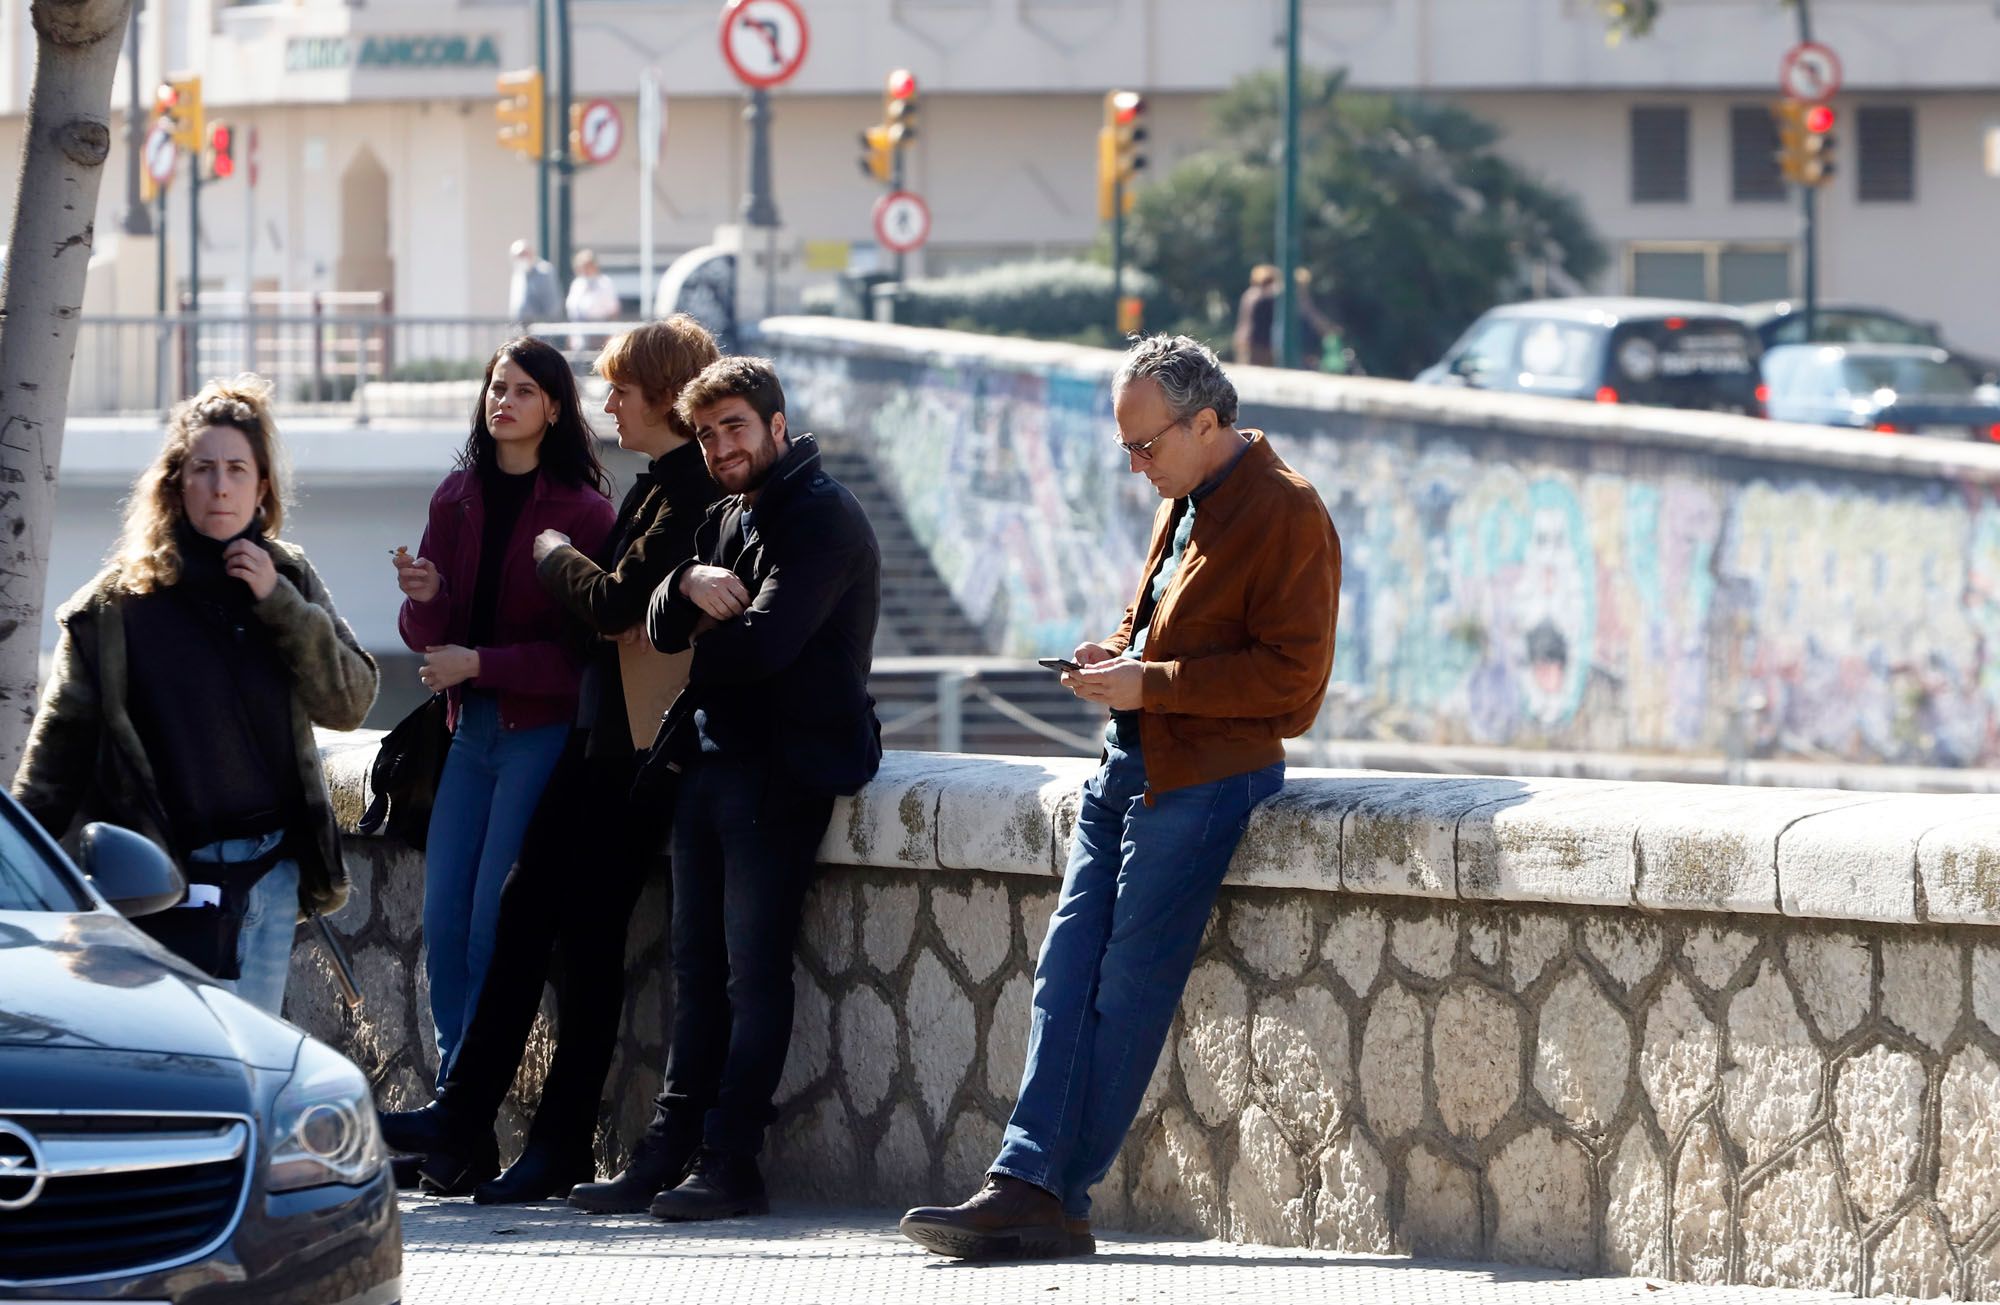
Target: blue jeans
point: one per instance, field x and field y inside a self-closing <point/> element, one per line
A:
<point x="264" y="947"/>
<point x="492" y="779"/>
<point x="1135" y="899"/>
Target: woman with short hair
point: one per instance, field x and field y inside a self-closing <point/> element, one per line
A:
<point x="187" y="681"/>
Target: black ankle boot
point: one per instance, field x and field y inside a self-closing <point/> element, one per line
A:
<point x="658" y="1163"/>
<point x="719" y="1185"/>
<point x="458" y="1173"/>
<point x="542" y="1173"/>
<point x="430" y="1129"/>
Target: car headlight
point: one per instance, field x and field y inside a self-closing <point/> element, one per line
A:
<point x="323" y="1125"/>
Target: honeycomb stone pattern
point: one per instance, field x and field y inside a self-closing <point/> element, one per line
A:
<point x="1697" y="1096"/>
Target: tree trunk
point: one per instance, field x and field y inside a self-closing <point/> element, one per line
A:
<point x="55" y="208"/>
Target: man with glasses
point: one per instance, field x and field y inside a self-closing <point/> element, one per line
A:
<point x="1222" y="656"/>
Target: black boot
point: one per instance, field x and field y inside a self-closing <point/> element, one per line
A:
<point x="457" y="1173"/>
<point x="719" y="1185"/>
<point x="542" y="1173"/>
<point x="432" y="1128"/>
<point x="658" y="1162"/>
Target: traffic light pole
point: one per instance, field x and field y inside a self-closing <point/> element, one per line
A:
<point x="1117" y="252"/>
<point x="760" y="207"/>
<point x="565" y="163"/>
<point x="1288" y="240"/>
<point x="896" y="184"/>
<point x="137" y="221"/>
<point x="193" y="334"/>
<point x="1809" y="210"/>
<point x="542" y="245"/>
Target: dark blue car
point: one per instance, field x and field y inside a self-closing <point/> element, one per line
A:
<point x="161" y="1140"/>
<point x="1896" y="389"/>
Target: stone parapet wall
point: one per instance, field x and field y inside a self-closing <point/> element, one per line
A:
<point x="1519" y="571"/>
<point x="1692" y="1033"/>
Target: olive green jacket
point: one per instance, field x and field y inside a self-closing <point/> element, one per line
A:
<point x="84" y="760"/>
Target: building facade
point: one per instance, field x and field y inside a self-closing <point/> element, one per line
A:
<point x="379" y="169"/>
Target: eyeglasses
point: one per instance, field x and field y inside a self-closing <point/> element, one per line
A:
<point x="1144" y="449"/>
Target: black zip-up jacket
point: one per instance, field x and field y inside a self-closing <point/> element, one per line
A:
<point x="654" y="534"/>
<point x="789" y="677"/>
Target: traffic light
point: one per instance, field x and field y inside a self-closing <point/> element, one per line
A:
<point x="878" y="153"/>
<point x="519" y="112"/>
<point x="1121" y="150"/>
<point x="899" y="107"/>
<point x="221" y="150"/>
<point x="178" y="99"/>
<point x="1805" y="141"/>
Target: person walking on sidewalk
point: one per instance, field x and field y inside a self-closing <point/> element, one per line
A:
<point x="504" y="653"/>
<point x="1223" y="654"/>
<point x="188" y="677"/>
<point x="780" y="603"/>
<point x="588" y="850"/>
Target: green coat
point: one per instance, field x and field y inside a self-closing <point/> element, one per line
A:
<point x="84" y="760"/>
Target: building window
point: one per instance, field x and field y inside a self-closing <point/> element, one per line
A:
<point x="1886" y="152"/>
<point x="1713" y="271"/>
<point x="1659" y="154"/>
<point x="1753" y="155"/>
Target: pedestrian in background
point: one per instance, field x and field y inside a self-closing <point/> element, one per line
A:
<point x="1257" y="316"/>
<point x="780" y="602"/>
<point x="532" y="294"/>
<point x="505" y="654"/>
<point x="187" y="681"/>
<point x="1223" y="654"/>
<point x="592" y="297"/>
<point x="588" y="850"/>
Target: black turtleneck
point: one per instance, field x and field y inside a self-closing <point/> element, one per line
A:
<point x="211" y="699"/>
<point x="502" y="497"/>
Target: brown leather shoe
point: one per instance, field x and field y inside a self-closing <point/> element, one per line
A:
<point x="1005" y="1220"/>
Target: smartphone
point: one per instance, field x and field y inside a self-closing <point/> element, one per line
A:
<point x="1058" y="663"/>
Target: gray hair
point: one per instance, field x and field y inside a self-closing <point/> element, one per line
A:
<point x="1188" y="373"/>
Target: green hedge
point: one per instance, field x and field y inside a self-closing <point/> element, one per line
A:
<point x="1065" y="299"/>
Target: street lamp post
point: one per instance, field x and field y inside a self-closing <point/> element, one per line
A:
<point x="1288" y="238"/>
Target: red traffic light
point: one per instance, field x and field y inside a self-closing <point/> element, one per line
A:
<point x="1819" y="119"/>
<point x="902" y="85"/>
<point x="1126" y="106"/>
<point x="222" y="148"/>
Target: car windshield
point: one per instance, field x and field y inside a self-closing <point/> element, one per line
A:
<point x="1930" y="377"/>
<point x="28" y="882"/>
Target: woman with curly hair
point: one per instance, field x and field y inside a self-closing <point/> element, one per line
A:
<point x="501" y="648"/>
<point x="188" y="678"/>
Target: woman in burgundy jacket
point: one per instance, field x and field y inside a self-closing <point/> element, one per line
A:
<point x="500" y="648"/>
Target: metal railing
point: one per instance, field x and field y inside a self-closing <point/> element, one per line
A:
<point x="327" y="360"/>
<point x="994" y="703"/>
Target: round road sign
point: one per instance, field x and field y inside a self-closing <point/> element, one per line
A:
<point x="160" y="153"/>
<point x="902" y="221"/>
<point x="763" y="40"/>
<point x="599" y="130"/>
<point x="1810" y="72"/>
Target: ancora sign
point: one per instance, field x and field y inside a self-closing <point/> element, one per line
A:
<point x="339" y="53"/>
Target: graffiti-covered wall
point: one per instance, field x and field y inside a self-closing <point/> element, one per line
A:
<point x="1517" y="571"/>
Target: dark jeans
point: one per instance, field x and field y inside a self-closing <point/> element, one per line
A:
<point x="570" y="897"/>
<point x="746" y="842"/>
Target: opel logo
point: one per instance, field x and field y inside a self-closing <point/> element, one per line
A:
<point x="21" y="1176"/>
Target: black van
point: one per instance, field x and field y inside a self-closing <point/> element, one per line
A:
<point x="1666" y="353"/>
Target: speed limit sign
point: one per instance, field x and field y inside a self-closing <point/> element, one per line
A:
<point x="902" y="221"/>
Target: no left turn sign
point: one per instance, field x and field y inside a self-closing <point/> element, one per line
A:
<point x="1810" y="72"/>
<point x="599" y="130"/>
<point x="764" y="41"/>
<point x="902" y="221"/>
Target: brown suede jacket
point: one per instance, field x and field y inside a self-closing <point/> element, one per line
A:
<point x="1241" y="644"/>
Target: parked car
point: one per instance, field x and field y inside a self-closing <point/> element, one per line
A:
<point x="1783" y="321"/>
<point x="160" y="1139"/>
<point x="1897" y="389"/>
<point x="1662" y="352"/>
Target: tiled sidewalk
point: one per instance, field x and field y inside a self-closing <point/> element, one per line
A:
<point x="457" y="1253"/>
